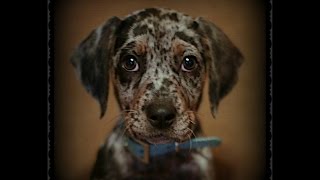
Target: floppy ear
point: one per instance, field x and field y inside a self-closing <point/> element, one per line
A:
<point x="92" y="59"/>
<point x="223" y="60"/>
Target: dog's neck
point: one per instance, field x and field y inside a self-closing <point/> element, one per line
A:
<point x="145" y="151"/>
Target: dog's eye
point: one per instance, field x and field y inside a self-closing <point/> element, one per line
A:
<point x="189" y="63"/>
<point x="130" y="63"/>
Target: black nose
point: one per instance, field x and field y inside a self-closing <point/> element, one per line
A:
<point x="161" y="115"/>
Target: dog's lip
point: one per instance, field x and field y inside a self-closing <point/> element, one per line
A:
<point x="158" y="139"/>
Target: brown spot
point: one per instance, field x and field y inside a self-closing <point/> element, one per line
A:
<point x="178" y="49"/>
<point x="206" y="47"/>
<point x="140" y="48"/>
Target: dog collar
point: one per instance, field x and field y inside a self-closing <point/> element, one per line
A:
<point x="144" y="151"/>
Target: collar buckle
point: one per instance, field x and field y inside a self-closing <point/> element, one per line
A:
<point x="146" y="152"/>
<point x="176" y="146"/>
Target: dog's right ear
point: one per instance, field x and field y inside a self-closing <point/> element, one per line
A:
<point x="92" y="59"/>
<point x="223" y="61"/>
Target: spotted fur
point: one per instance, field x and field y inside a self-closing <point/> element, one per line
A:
<point x="159" y="39"/>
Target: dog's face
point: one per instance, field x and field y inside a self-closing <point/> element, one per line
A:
<point x="158" y="59"/>
<point x="159" y="73"/>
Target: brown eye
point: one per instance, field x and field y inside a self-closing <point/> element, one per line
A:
<point x="130" y="63"/>
<point x="189" y="63"/>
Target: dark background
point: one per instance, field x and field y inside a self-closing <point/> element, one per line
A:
<point x="241" y="115"/>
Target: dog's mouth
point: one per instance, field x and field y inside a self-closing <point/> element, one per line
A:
<point x="179" y="131"/>
<point x="157" y="139"/>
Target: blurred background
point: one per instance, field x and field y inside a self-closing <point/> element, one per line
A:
<point x="241" y="115"/>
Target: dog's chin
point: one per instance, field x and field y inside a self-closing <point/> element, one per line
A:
<point x="159" y="140"/>
<point x="156" y="139"/>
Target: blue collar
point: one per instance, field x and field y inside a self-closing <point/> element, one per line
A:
<point x="144" y="151"/>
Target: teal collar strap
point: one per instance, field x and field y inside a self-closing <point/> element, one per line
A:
<point x="144" y="151"/>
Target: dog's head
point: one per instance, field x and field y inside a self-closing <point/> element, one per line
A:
<point x="158" y="60"/>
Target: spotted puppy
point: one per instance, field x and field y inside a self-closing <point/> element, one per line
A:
<point x="158" y="60"/>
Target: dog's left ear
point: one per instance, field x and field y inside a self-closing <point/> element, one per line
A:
<point x="223" y="60"/>
<point x="92" y="59"/>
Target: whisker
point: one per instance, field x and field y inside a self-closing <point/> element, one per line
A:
<point x="122" y="113"/>
<point x="190" y="143"/>
<point x="192" y="122"/>
<point x="195" y="113"/>
<point x="129" y="110"/>
<point x="113" y="119"/>
<point x="125" y="129"/>
<point x="192" y="132"/>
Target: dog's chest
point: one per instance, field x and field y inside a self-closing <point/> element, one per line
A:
<point x="187" y="164"/>
<point x="181" y="165"/>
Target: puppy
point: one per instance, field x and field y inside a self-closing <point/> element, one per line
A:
<point x="158" y="60"/>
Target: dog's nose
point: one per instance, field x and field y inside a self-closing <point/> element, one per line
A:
<point x="161" y="115"/>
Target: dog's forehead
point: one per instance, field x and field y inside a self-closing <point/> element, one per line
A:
<point x="160" y="15"/>
<point x="159" y="24"/>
